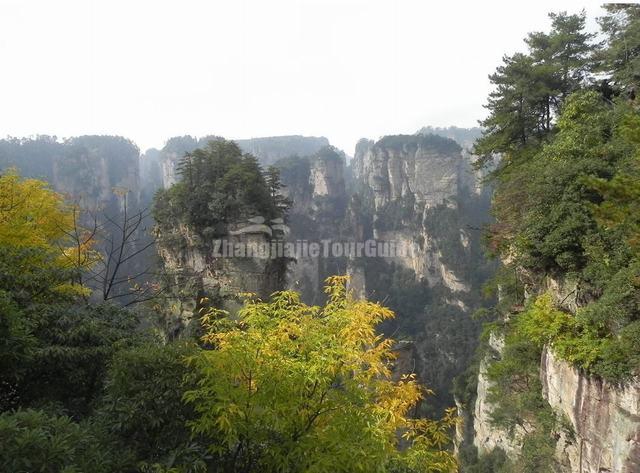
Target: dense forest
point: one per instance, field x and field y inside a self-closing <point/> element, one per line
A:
<point x="93" y="378"/>
<point x="563" y="138"/>
<point x="280" y="386"/>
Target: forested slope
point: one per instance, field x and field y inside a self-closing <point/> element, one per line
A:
<point x="564" y="134"/>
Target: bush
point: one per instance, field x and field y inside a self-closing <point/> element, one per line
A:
<point x="35" y="441"/>
<point x="74" y="346"/>
<point x="583" y="339"/>
<point x="143" y="409"/>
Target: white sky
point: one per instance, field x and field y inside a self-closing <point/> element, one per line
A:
<point x="344" y="69"/>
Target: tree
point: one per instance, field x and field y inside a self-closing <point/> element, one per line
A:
<point x="120" y="272"/>
<point x="620" y="58"/>
<point x="529" y="89"/>
<point x="143" y="409"/>
<point x="35" y="248"/>
<point x="72" y="349"/>
<point x="35" y="441"/>
<point x="512" y="121"/>
<point x="275" y="186"/>
<point x="219" y="186"/>
<point x="289" y="387"/>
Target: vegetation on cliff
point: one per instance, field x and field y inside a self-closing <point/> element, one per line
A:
<point x="280" y="387"/>
<point x="438" y="144"/>
<point x="564" y="123"/>
<point x="218" y="186"/>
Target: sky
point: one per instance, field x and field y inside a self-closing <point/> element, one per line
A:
<point x="344" y="69"/>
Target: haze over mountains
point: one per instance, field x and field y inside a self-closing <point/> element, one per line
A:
<point x="439" y="300"/>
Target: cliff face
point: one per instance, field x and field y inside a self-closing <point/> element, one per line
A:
<point x="200" y="274"/>
<point x="316" y="187"/>
<point x="427" y="170"/>
<point x="601" y="420"/>
<point x="424" y="177"/>
<point x="268" y="150"/>
<point x="486" y="436"/>
<point x="605" y="419"/>
<point x="85" y="167"/>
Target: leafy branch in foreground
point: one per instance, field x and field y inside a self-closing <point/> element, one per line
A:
<point x="291" y="387"/>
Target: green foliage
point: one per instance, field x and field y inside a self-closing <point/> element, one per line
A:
<point x="289" y="387"/>
<point x="74" y="346"/>
<point x="584" y="339"/>
<point x="530" y="88"/>
<point x="35" y="441"/>
<point x="494" y="461"/>
<point x="516" y="394"/>
<point x="464" y="136"/>
<point x="621" y="58"/>
<point x="16" y="349"/>
<point x="219" y="186"/>
<point x="295" y="170"/>
<point x="142" y="408"/>
<point x="397" y="214"/>
<point x="438" y="144"/>
<point x="569" y="209"/>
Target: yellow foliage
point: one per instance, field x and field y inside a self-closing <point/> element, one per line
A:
<point x="31" y="214"/>
<point x="313" y="387"/>
<point x="34" y="217"/>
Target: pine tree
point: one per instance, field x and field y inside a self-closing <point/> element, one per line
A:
<point x="620" y="59"/>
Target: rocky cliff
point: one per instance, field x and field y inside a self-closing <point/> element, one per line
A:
<point x="267" y="149"/>
<point x="601" y="420"/>
<point x="414" y="183"/>
<point x="597" y="423"/>
<point x="272" y="148"/>
<point x="214" y="233"/>
<point x="316" y="188"/>
<point x="89" y="168"/>
<point x="420" y="193"/>
<point x="605" y="418"/>
<point x="200" y="274"/>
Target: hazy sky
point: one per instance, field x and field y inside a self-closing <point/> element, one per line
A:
<point x="344" y="69"/>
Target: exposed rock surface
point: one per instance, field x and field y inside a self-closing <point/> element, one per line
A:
<point x="427" y="169"/>
<point x="272" y="148"/>
<point x="268" y="150"/>
<point x="486" y="435"/>
<point x="200" y="276"/>
<point x="418" y="174"/>
<point x="316" y="187"/>
<point x="420" y="192"/>
<point x="86" y="168"/>
<point x="605" y="419"/>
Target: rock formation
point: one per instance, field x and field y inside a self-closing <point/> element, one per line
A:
<point x="267" y="149"/>
<point x="200" y="274"/>
<point x="87" y="168"/>
<point x="605" y="419"/>
<point x="602" y="420"/>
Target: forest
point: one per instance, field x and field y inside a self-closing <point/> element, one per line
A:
<point x="95" y="376"/>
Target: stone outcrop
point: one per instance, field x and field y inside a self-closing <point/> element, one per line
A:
<point x="487" y="436"/>
<point x="425" y="168"/>
<point x="272" y="148"/>
<point x="87" y="169"/>
<point x="316" y="187"/>
<point x="268" y="150"/>
<point x="200" y="274"/>
<point x="420" y="192"/>
<point x="420" y="173"/>
<point x="605" y="419"/>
